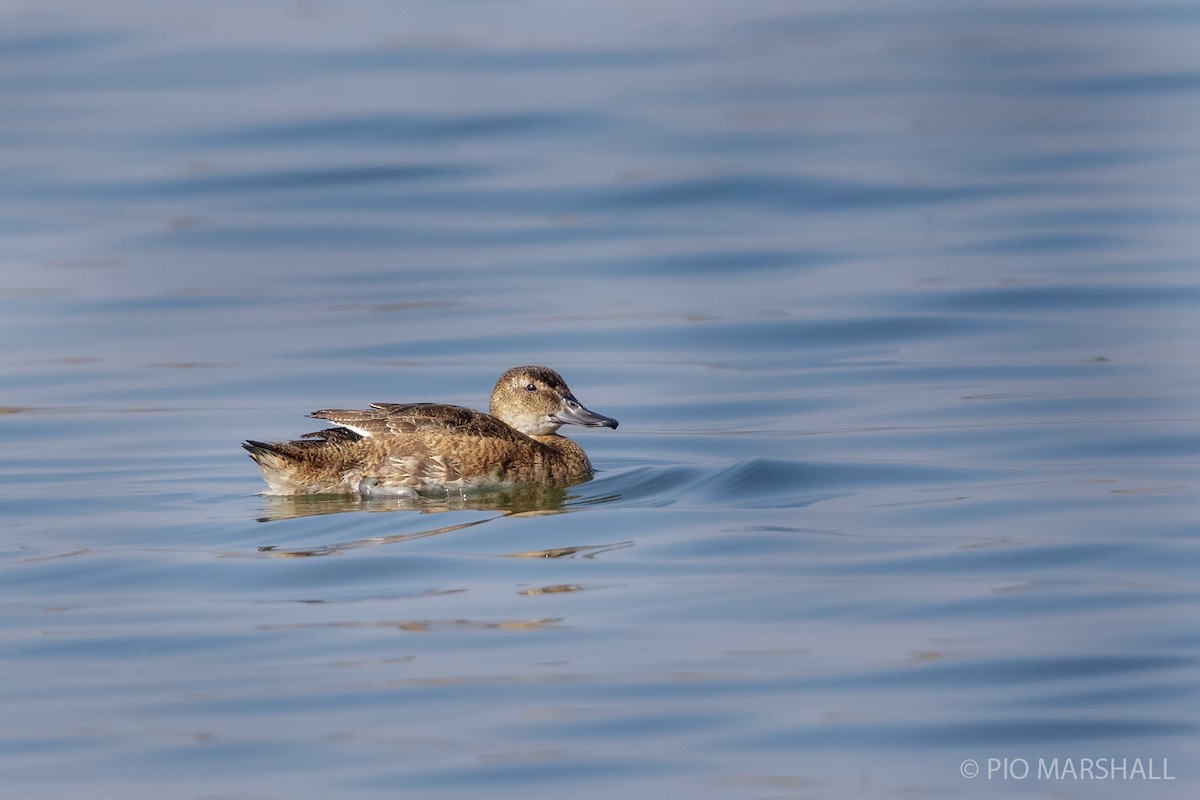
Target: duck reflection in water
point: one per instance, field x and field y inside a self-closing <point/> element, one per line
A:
<point x="516" y="500"/>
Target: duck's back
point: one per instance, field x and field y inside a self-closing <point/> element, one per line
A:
<point x="421" y="419"/>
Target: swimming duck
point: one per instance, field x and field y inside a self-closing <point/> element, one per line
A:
<point x="404" y="449"/>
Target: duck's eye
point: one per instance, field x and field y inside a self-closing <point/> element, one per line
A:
<point x="531" y="388"/>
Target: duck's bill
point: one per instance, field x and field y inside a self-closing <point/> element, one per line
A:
<point x="574" y="413"/>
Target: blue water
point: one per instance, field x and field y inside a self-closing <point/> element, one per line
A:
<point x="896" y="304"/>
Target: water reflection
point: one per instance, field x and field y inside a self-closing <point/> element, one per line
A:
<point x="428" y="625"/>
<point x="511" y="500"/>
<point x="336" y="548"/>
<point x="341" y="547"/>
<point x="582" y="551"/>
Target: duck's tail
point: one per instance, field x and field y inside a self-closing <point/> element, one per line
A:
<point x="308" y="466"/>
<point x="277" y="466"/>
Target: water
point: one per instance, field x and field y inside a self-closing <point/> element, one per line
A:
<point x="896" y="304"/>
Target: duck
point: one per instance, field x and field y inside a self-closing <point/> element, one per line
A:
<point x="413" y="449"/>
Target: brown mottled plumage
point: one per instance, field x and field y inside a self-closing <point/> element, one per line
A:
<point x="405" y="448"/>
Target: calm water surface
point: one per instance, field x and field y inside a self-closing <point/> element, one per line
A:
<point x="896" y="303"/>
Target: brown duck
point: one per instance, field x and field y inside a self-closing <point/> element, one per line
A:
<point x="410" y="448"/>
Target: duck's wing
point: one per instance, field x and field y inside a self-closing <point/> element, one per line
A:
<point x="383" y="419"/>
<point x="424" y="445"/>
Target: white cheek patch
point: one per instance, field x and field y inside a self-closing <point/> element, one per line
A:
<point x="532" y="424"/>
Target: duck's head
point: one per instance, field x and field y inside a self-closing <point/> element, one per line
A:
<point x="537" y="402"/>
